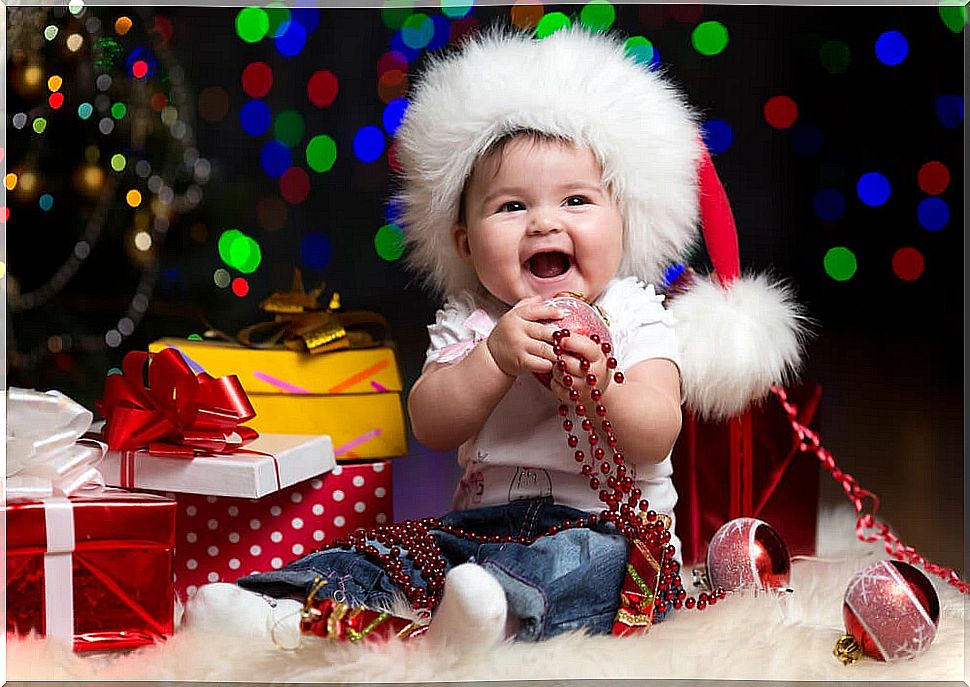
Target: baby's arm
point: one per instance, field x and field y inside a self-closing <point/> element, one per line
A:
<point x="450" y="402"/>
<point x="644" y="409"/>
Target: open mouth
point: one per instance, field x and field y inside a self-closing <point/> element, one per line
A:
<point x="548" y="265"/>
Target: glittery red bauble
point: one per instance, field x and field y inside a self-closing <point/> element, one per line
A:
<point x="581" y="318"/>
<point x="892" y="610"/>
<point x="747" y="553"/>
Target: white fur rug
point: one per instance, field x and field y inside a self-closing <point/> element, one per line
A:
<point x="743" y="637"/>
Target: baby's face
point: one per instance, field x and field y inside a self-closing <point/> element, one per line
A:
<point x="540" y="220"/>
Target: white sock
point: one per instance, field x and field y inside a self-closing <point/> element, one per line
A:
<point x="227" y="609"/>
<point x="471" y="615"/>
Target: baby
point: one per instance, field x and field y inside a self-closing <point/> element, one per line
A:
<point x="532" y="168"/>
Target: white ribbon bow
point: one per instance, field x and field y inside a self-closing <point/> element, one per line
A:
<point x="44" y="457"/>
<point x="481" y="326"/>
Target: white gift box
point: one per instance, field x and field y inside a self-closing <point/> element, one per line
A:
<point x="264" y="466"/>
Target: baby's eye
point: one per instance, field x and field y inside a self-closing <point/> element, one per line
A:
<point x="577" y="200"/>
<point x="512" y="206"/>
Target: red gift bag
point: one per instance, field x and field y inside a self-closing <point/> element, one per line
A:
<point x="748" y="466"/>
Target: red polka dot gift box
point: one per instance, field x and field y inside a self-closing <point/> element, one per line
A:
<point x="220" y="539"/>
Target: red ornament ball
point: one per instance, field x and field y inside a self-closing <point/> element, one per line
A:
<point x="892" y="610"/>
<point x="581" y="318"/>
<point x="747" y="553"/>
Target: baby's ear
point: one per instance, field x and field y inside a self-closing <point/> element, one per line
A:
<point x="459" y="236"/>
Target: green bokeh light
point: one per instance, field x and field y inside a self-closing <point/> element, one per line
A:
<point x="550" y="23"/>
<point x="278" y="18"/>
<point x="119" y="110"/>
<point x="321" y="153"/>
<point x="389" y="242"/>
<point x="840" y="263"/>
<point x="194" y="337"/>
<point x="118" y="162"/>
<point x="954" y="14"/>
<point x="239" y="251"/>
<point x="640" y="49"/>
<point x="709" y="38"/>
<point x="395" y="12"/>
<point x="226" y="239"/>
<point x="252" y="23"/>
<point x="417" y="31"/>
<point x="835" y="56"/>
<point x="597" y="15"/>
<point x="455" y="9"/>
<point x="40" y="125"/>
<point x="288" y="128"/>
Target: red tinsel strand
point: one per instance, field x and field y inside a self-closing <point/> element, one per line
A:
<point x="811" y="443"/>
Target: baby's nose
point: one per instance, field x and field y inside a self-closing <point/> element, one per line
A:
<point x="543" y="222"/>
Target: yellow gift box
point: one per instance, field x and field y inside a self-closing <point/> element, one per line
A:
<point x="353" y="395"/>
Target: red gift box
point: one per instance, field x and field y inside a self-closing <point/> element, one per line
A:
<point x="220" y="539"/>
<point x="95" y="568"/>
<point x="748" y="466"/>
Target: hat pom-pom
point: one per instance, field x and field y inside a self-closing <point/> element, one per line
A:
<point x="736" y="341"/>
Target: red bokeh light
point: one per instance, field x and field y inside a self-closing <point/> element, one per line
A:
<point x="322" y="88"/>
<point x="55" y="100"/>
<point x="257" y="79"/>
<point x="392" y="59"/>
<point x="908" y="263"/>
<point x="294" y="185"/>
<point x="240" y="287"/>
<point x="139" y="69"/>
<point x="934" y="177"/>
<point x="781" y="111"/>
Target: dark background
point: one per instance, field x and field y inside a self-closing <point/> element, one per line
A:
<point x="887" y="351"/>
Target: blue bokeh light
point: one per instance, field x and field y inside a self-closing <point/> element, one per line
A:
<point x="442" y="33"/>
<point x="718" y="135"/>
<point x="308" y="17"/>
<point x="369" y="143"/>
<point x="873" y="189"/>
<point x="829" y="204"/>
<point x="397" y="43"/>
<point x="46" y="202"/>
<point x="393" y="211"/>
<point x="393" y="114"/>
<point x="315" y="250"/>
<point x="255" y="117"/>
<point x="806" y="138"/>
<point x="892" y="48"/>
<point x="933" y="213"/>
<point x="142" y="54"/>
<point x="417" y="35"/>
<point x="275" y="158"/>
<point x="949" y="110"/>
<point x="292" y="38"/>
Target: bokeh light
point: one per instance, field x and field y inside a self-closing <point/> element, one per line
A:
<point x="709" y="38"/>
<point x="933" y="178"/>
<point x="780" y="111"/>
<point x="292" y="39"/>
<point x="368" y="144"/>
<point x="455" y="9"/>
<point x="873" y="189"/>
<point x="133" y="197"/>
<point x="642" y="50"/>
<point x="122" y="25"/>
<point x="395" y="12"/>
<point x="142" y="241"/>
<point x="10" y="181"/>
<point x="840" y="263"/>
<point x="892" y="48"/>
<point x="835" y="56"/>
<point x="295" y="185"/>
<point x="526" y="14"/>
<point x="829" y="204"/>
<point x="908" y="263"/>
<point x="221" y="277"/>
<point x="39" y="125"/>
<point x="84" y="110"/>
<point x="55" y="100"/>
<point x="252" y="23"/>
<point x="119" y="110"/>
<point x="315" y="250"/>
<point x="949" y="110"/>
<point x="139" y="69"/>
<point x="417" y="31"/>
<point x="393" y="115"/>
<point x="118" y="162"/>
<point x="933" y="213"/>
<point x="278" y="18"/>
<point x="275" y="158"/>
<point x="597" y="15"/>
<point x="391" y="85"/>
<point x="321" y="153"/>
<point x="954" y="14"/>
<point x="718" y="135"/>
<point x="74" y="42"/>
<point x="55" y="82"/>
<point x="552" y="22"/>
<point x="255" y="117"/>
<point x="239" y="251"/>
<point x="322" y="88"/>
<point x="50" y="32"/>
<point x="389" y="242"/>
<point x="240" y="287"/>
<point x="257" y="79"/>
<point x="392" y="59"/>
<point x="46" y="202"/>
<point x="288" y="128"/>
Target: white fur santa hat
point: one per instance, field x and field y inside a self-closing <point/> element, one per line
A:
<point x="737" y="335"/>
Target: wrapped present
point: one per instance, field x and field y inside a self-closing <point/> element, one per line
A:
<point x="222" y="538"/>
<point x="353" y="395"/>
<point x="86" y="566"/>
<point x="748" y="466"/>
<point x="641" y="587"/>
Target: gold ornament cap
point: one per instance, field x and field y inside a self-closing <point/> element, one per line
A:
<point x="847" y="650"/>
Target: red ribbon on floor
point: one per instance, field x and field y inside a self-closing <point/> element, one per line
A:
<point x="176" y="413"/>
<point x="811" y="443"/>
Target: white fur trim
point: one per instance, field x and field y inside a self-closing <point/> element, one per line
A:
<point x="574" y="84"/>
<point x="736" y="342"/>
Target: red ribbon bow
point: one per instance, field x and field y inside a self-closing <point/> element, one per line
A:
<point x="191" y="413"/>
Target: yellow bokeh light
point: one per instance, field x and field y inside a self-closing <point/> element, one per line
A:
<point x="10" y="181"/>
<point x="32" y="76"/>
<point x="74" y="42"/>
<point x="90" y="178"/>
<point x="122" y="25"/>
<point x="133" y="197"/>
<point x="54" y="83"/>
<point x="28" y="182"/>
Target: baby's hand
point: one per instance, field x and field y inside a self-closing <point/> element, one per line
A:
<point x="521" y="341"/>
<point x="575" y="348"/>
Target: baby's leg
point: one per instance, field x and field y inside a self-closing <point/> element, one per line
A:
<point x="472" y="612"/>
<point x="223" y="608"/>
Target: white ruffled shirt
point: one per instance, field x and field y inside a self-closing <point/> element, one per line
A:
<point x="521" y="450"/>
